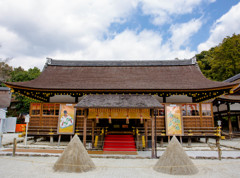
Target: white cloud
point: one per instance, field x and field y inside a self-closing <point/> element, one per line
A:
<point x="130" y="45"/>
<point x="59" y="24"/>
<point x="11" y="43"/>
<point x="161" y="10"/>
<point x="28" y="61"/>
<point x="224" y="26"/>
<point x="30" y="30"/>
<point x="181" y="33"/>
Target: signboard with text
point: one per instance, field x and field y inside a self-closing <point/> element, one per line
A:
<point x="66" y="120"/>
<point x="173" y="119"/>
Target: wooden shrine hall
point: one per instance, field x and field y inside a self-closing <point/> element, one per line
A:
<point x="229" y="106"/>
<point x="149" y="100"/>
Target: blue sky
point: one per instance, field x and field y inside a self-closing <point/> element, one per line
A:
<point x="30" y="30"/>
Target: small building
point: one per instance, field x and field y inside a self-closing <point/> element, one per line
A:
<point x="229" y="106"/>
<point x="141" y="98"/>
<point x="5" y="97"/>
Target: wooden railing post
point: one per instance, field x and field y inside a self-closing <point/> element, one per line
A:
<point x="14" y="146"/>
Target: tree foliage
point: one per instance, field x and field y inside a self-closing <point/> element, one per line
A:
<point x="20" y="75"/>
<point x="222" y="61"/>
<point x="10" y="74"/>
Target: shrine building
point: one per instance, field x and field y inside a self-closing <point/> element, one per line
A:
<point x="149" y="100"/>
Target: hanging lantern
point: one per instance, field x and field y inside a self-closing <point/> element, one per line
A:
<point x="97" y="119"/>
<point x="109" y="120"/>
<point x="127" y="120"/>
<point x="141" y="119"/>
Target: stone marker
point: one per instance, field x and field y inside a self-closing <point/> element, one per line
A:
<point x="175" y="161"/>
<point x="74" y="158"/>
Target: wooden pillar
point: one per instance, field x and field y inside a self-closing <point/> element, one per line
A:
<point x="76" y="99"/>
<point x="153" y="137"/>
<point x="164" y="99"/>
<point x="85" y="129"/>
<point x="51" y="140"/>
<point x="161" y="142"/>
<point x="93" y="127"/>
<point x="229" y="121"/>
<point x="59" y="140"/>
<point x="200" y="114"/>
<point x="146" y="132"/>
<point x="189" y="142"/>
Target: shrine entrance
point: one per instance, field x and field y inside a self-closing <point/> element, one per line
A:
<point x="120" y="126"/>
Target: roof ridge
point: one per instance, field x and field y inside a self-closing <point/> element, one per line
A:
<point x="118" y="63"/>
<point x="233" y="78"/>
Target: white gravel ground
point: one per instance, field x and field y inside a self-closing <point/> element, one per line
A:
<point x="42" y="167"/>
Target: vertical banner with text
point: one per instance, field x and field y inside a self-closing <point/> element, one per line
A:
<point x="174" y="123"/>
<point x="66" y="120"/>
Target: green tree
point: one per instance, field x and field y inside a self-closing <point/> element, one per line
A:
<point x="204" y="61"/>
<point x="20" y="75"/>
<point x="222" y="61"/>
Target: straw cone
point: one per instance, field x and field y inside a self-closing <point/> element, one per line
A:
<point x="175" y="161"/>
<point x="75" y="158"/>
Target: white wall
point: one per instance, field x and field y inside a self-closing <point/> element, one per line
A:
<point x="160" y="99"/>
<point x="235" y="107"/>
<point x="62" y="99"/>
<point x="179" y="99"/>
<point x="222" y="107"/>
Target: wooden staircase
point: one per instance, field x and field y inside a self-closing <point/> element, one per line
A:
<point x="119" y="143"/>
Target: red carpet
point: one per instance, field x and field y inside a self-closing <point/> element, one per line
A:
<point x="119" y="143"/>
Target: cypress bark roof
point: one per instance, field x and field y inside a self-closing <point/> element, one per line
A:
<point x="118" y="101"/>
<point x="121" y="75"/>
<point x="233" y="79"/>
<point x="230" y="98"/>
